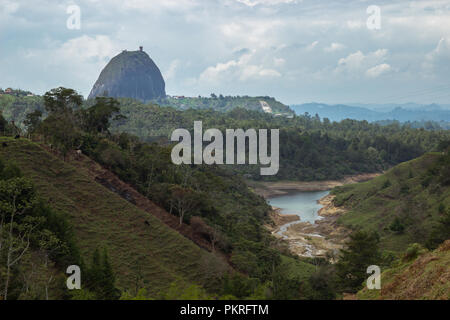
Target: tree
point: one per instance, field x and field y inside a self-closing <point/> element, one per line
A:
<point x="62" y="132"/>
<point x="62" y="125"/>
<point x="32" y="121"/>
<point x="100" y="277"/>
<point x="97" y="118"/>
<point x="362" y="251"/>
<point x="441" y="230"/>
<point x="61" y="100"/>
<point x="184" y="200"/>
<point x="321" y="283"/>
<point x="3" y="124"/>
<point x="17" y="196"/>
<point x="397" y="225"/>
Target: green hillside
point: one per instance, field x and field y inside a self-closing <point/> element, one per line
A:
<point x="420" y="274"/>
<point x="228" y="103"/>
<point x="311" y="148"/>
<point x="139" y="245"/>
<point x="402" y="205"/>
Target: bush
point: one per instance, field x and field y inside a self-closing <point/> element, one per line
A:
<point x="397" y="225"/>
<point x="413" y="252"/>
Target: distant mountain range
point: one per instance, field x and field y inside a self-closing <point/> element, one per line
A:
<point x="404" y="112"/>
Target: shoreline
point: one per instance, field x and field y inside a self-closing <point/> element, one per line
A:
<point x="325" y="237"/>
<point x="322" y="239"/>
<point x="269" y="190"/>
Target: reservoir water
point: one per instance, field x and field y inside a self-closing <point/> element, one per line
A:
<point x="303" y="204"/>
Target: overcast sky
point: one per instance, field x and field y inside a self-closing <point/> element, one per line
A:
<point x="296" y="51"/>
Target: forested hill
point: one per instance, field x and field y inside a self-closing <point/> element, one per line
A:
<point x="420" y="115"/>
<point x="409" y="203"/>
<point x="310" y="148"/>
<point x="227" y="103"/>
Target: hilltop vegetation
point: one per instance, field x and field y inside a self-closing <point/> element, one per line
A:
<point x="312" y="148"/>
<point x="427" y="116"/>
<point x="404" y="205"/>
<point x="227" y="103"/>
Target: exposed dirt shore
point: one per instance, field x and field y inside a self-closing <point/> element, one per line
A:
<point x="272" y="189"/>
<point x="279" y="219"/>
<point x="325" y="237"/>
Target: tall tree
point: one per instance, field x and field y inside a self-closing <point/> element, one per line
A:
<point x="97" y="118"/>
<point x="362" y="251"/>
<point x="60" y="100"/>
<point x="17" y="196"/>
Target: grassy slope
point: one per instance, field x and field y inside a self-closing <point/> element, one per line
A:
<point x="426" y="277"/>
<point x="374" y="207"/>
<point x="102" y="218"/>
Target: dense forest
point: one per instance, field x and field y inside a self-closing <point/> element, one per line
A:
<point x="311" y="148"/>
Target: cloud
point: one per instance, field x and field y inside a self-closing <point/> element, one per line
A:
<point x="278" y="62"/>
<point x="378" y="70"/>
<point x="241" y="69"/>
<point x="171" y="71"/>
<point x="85" y="48"/>
<point x="335" y="46"/>
<point x="252" y="3"/>
<point x="355" y="24"/>
<point x="8" y="7"/>
<point x="312" y="45"/>
<point x="283" y="48"/>
<point x="438" y="60"/>
<point x="357" y="64"/>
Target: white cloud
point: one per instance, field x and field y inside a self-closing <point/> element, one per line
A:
<point x="335" y="46"/>
<point x="253" y="32"/>
<point x="171" y="71"/>
<point x="378" y="70"/>
<point x="357" y="63"/>
<point x="355" y="24"/>
<point x="278" y="62"/>
<point x="241" y="69"/>
<point x="85" y="47"/>
<point x="438" y="60"/>
<point x="252" y="3"/>
<point x="189" y="38"/>
<point x="8" y="7"/>
<point x="312" y="45"/>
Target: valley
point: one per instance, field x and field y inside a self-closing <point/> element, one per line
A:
<point x="240" y="153"/>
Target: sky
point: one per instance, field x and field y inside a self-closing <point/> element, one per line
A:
<point x="296" y="51"/>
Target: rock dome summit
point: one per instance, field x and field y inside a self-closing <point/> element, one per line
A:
<point x="130" y="74"/>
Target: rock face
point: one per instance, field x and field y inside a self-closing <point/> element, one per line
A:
<point x="131" y="74"/>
